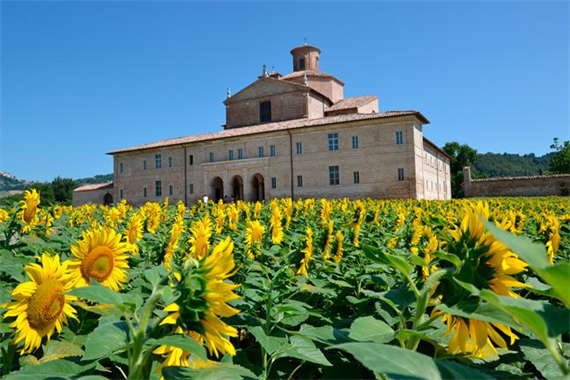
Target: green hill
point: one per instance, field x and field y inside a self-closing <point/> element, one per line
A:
<point x="489" y="165"/>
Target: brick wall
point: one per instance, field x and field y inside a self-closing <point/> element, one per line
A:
<point x="515" y="186"/>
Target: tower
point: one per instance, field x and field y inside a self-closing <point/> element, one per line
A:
<point x="306" y="57"/>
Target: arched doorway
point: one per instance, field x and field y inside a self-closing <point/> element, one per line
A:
<point x="237" y="188"/>
<point x="107" y="199"/>
<point x="217" y="186"/>
<point x="258" y="187"/>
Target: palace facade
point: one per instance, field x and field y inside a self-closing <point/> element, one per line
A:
<point x="293" y="135"/>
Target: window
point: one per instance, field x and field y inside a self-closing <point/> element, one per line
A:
<point x="230" y="154"/>
<point x="211" y="156"/>
<point x="144" y="192"/>
<point x="260" y="151"/>
<point x="191" y="159"/>
<point x="191" y="188"/>
<point x="169" y="162"/>
<point x="273" y="183"/>
<point x="121" y="167"/>
<point x="158" y="188"/>
<point x="240" y="154"/>
<point x="121" y="193"/>
<point x="272" y="150"/>
<point x="357" y="177"/>
<point x="400" y="174"/>
<point x="299" y="181"/>
<point x="399" y="137"/>
<point x="170" y="190"/>
<point x="299" y="148"/>
<point x="354" y="142"/>
<point x="302" y="64"/>
<point x="334" y="175"/>
<point x="264" y="112"/>
<point x="158" y="161"/>
<point x="144" y="164"/>
<point x="333" y="141"/>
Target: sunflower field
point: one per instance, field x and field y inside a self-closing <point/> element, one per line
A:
<point x="307" y="289"/>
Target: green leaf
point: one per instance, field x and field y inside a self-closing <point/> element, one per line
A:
<point x="55" y="369"/>
<point x="106" y="339"/>
<point x="181" y="341"/>
<point x="98" y="293"/>
<point x="399" y="362"/>
<point x="155" y="274"/>
<point x="218" y="371"/>
<point x="557" y="276"/>
<point x="450" y="257"/>
<point x="541" y="358"/>
<point x="59" y="350"/>
<point x="290" y="314"/>
<point x="323" y="334"/>
<point x="269" y="343"/>
<point x="379" y="255"/>
<point x="366" y="329"/>
<point x="304" y="349"/>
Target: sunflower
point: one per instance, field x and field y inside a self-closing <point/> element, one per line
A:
<point x="487" y="264"/>
<point x="551" y="229"/>
<point x="29" y="209"/>
<point x="328" y="240"/>
<point x="177" y="357"/>
<point x="338" y="253"/>
<point x="253" y="234"/>
<point x="39" y="306"/>
<point x="308" y="252"/>
<point x="214" y="295"/>
<point x="200" y="240"/>
<point x="101" y="256"/>
<point x="3" y="216"/>
<point x="134" y="233"/>
<point x="275" y="222"/>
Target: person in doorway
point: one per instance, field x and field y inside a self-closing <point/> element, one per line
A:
<point x="226" y="199"/>
<point x="205" y="199"/>
<point x="232" y="199"/>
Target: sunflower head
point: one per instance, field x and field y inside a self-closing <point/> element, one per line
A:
<point x="40" y="305"/>
<point x="204" y="294"/>
<point x="100" y="255"/>
<point x="29" y="209"/>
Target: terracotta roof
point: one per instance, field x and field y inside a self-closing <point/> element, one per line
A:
<point x="437" y="148"/>
<point x="271" y="127"/>
<point x="355" y="102"/>
<point x="94" y="186"/>
<point x="310" y="73"/>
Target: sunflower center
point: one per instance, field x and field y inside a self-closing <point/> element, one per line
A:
<point x="45" y="305"/>
<point x="29" y="214"/>
<point x="98" y="264"/>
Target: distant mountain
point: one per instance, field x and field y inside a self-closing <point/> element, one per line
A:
<point x="489" y="165"/>
<point x="9" y="182"/>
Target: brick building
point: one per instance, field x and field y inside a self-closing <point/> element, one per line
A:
<point x="293" y="135"/>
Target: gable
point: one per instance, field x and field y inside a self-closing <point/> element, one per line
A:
<point x="265" y="87"/>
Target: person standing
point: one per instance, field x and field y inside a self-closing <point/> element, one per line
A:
<point x="205" y="199"/>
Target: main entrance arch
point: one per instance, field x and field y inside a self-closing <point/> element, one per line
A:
<point x="217" y="189"/>
<point x="107" y="199"/>
<point x="258" y="187"/>
<point x="237" y="187"/>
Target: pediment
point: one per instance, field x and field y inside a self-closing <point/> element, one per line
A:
<point x="265" y="87"/>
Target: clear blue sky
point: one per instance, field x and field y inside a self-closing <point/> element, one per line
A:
<point x="79" y="79"/>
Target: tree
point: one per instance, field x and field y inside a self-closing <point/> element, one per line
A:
<point x="63" y="189"/>
<point x="560" y="161"/>
<point x="461" y="155"/>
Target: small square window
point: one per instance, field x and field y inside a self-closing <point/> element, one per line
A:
<point x="158" y="161"/>
<point x="299" y="146"/>
<point x="191" y="159"/>
<point x="240" y="154"/>
<point x="356" y="177"/>
<point x="158" y="188"/>
<point x="230" y="154"/>
<point x="333" y="141"/>
<point x="260" y="151"/>
<point x="299" y="181"/>
<point x="354" y="142"/>
<point x="272" y="150"/>
<point x="170" y="190"/>
<point x="401" y="174"/>
<point x="144" y="192"/>
<point x="273" y="183"/>
<point x="191" y="188"/>
<point x="169" y="162"/>
<point x="144" y="164"/>
<point x="334" y="178"/>
<point x="121" y="167"/>
<point x="121" y="193"/>
<point x="211" y="156"/>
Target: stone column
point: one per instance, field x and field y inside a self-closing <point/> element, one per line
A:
<point x="467" y="181"/>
